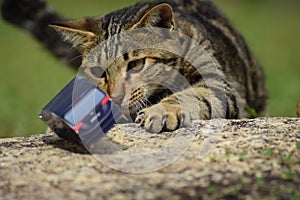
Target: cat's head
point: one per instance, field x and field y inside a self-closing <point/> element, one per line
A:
<point x="125" y="52"/>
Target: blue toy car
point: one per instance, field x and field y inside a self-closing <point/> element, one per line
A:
<point x="81" y="113"/>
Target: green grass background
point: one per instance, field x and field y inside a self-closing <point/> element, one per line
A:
<point x="30" y="76"/>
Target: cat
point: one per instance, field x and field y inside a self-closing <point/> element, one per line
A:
<point x="162" y="90"/>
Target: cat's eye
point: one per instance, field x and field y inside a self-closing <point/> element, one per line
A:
<point x="98" y="72"/>
<point x="136" y="65"/>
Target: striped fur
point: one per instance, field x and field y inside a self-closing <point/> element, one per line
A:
<point x="225" y="79"/>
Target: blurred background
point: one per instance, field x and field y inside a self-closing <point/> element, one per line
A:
<point x="30" y="76"/>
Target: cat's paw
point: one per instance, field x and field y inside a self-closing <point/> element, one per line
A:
<point x="163" y="117"/>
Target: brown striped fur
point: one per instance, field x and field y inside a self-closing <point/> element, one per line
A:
<point x="136" y="79"/>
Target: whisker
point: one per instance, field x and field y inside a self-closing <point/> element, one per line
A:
<point x="140" y="107"/>
<point x="136" y="106"/>
<point x="71" y="60"/>
<point x="146" y="102"/>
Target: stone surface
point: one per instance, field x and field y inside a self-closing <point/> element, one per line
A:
<point x="216" y="159"/>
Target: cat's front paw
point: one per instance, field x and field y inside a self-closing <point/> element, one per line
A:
<point x="163" y="117"/>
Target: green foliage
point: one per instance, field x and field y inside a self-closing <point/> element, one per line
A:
<point x="241" y="155"/>
<point x="269" y="152"/>
<point x="298" y="145"/>
<point x="273" y="198"/>
<point x="30" y="77"/>
<point x="227" y="151"/>
<point x="212" y="189"/>
<point x="252" y="112"/>
<point x="296" y="197"/>
<point x="259" y="180"/>
<point x="271" y="30"/>
<point x="288" y="174"/>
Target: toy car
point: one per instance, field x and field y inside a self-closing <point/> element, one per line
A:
<point x="81" y="113"/>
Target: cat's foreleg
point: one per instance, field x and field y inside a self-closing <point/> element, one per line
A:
<point x="180" y="109"/>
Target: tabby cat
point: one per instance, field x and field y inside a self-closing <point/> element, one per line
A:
<point x="224" y="82"/>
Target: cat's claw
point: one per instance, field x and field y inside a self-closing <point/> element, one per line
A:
<point x="140" y="119"/>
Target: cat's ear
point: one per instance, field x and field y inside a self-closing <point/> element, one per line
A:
<point x="83" y="33"/>
<point x="160" y="15"/>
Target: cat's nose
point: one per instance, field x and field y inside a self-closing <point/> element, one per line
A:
<point x="118" y="99"/>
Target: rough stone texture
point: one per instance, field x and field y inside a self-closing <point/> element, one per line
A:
<point x="218" y="159"/>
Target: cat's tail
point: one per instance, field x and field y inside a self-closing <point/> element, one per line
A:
<point x="34" y="16"/>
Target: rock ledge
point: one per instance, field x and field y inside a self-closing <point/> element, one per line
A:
<point x="216" y="159"/>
